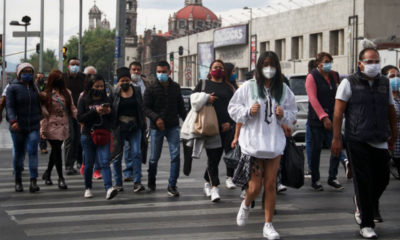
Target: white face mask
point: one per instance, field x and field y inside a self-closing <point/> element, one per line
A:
<point x="135" y="77"/>
<point x="269" y="72"/>
<point x="372" y="70"/>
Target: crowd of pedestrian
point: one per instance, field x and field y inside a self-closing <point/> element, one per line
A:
<point x="100" y="124"/>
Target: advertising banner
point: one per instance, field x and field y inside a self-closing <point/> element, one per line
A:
<point x="229" y="36"/>
<point x="205" y="54"/>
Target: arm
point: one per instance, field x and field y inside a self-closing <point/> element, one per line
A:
<point x="289" y="108"/>
<point x="148" y="102"/>
<point x="2" y="105"/>
<point x="181" y="105"/>
<point x="237" y="134"/>
<point x="10" y="105"/>
<point x="340" y="107"/>
<point x="237" y="108"/>
<point x="84" y="114"/>
<point x="311" y="89"/>
<point x="393" y="126"/>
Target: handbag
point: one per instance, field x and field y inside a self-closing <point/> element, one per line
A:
<point x="206" y="123"/>
<point x="100" y="137"/>
<point x="232" y="157"/>
<point x="292" y="165"/>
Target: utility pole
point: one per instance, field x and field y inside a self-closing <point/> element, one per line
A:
<point x="3" y="42"/>
<point x="80" y="33"/>
<point x="61" y="37"/>
<point x="119" y="54"/>
<point x="41" y="35"/>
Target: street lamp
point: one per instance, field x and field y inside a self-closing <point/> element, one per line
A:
<point x="294" y="64"/>
<point x="250" y="32"/>
<point x="397" y="55"/>
<point x="26" y="22"/>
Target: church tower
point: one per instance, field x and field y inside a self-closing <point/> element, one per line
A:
<point x="193" y="2"/>
<point x="131" y="21"/>
<point x="94" y="17"/>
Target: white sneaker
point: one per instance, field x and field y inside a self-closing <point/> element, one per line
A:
<point x="281" y="188"/>
<point x="88" y="193"/>
<point x="111" y="193"/>
<point x="368" y="233"/>
<point x="243" y="215"/>
<point x="215" y="194"/>
<point x="207" y="189"/>
<point x="229" y="183"/>
<point x="269" y="231"/>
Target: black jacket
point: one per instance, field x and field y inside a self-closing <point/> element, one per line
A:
<point x="164" y="103"/>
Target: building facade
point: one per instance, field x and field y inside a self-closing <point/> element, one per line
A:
<point x="131" y="37"/>
<point x="95" y="19"/>
<point x="335" y="26"/>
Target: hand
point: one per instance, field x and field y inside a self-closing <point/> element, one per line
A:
<point x="279" y="112"/>
<point x="99" y="110"/>
<point x="234" y="142"/>
<point x="287" y="130"/>
<point x="254" y="109"/>
<point x="327" y="123"/>
<point x="225" y="127"/>
<point x="212" y="98"/>
<point x="160" y="124"/>
<point x="15" y="126"/>
<point x="336" y="147"/>
<point x="106" y="110"/>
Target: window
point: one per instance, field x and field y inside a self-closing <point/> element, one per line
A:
<point x="182" y="24"/>
<point x="315" y="44"/>
<point x="200" y="24"/>
<point x="297" y="47"/>
<point x="264" y="46"/>
<point x="280" y="49"/>
<point x="336" y="42"/>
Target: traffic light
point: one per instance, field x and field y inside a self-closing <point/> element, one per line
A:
<point x="171" y="56"/>
<point x="180" y="50"/>
<point x="64" y="51"/>
<point x="38" y="48"/>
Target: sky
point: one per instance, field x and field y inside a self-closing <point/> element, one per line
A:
<point x="151" y="13"/>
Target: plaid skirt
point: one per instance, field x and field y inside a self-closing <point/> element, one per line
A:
<point x="241" y="176"/>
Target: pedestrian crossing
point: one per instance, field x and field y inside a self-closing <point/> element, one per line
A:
<point x="65" y="214"/>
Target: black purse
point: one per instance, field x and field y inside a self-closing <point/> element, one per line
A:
<point x="232" y="157"/>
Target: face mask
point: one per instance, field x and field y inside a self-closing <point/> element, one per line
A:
<point x="58" y="83"/>
<point x="125" y="86"/>
<point x="135" y="77"/>
<point x="269" y="72"/>
<point x="218" y="73"/>
<point x="395" y="83"/>
<point x="233" y="77"/>
<point x="27" y="77"/>
<point x="162" y="77"/>
<point x="327" y="67"/>
<point x="74" y="69"/>
<point x="97" y="93"/>
<point x="372" y="70"/>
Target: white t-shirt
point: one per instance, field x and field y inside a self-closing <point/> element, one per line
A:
<point x="344" y="93"/>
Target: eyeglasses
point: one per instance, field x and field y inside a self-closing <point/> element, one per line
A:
<point x="268" y="110"/>
<point x="366" y="61"/>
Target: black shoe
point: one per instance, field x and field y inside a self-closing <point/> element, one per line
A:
<point x="173" y="191"/>
<point x="71" y="171"/>
<point x="151" y="184"/>
<point x="46" y="178"/>
<point x="335" y="184"/>
<point x="18" y="186"/>
<point x="377" y="215"/>
<point x="33" y="187"/>
<point x="61" y="183"/>
<point x="317" y="186"/>
<point x="138" y="187"/>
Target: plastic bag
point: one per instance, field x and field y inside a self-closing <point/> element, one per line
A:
<point x="292" y="165"/>
<point x="232" y="157"/>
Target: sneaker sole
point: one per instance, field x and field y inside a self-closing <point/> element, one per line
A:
<point x="173" y="195"/>
<point x="139" y="190"/>
<point x="337" y="188"/>
<point x="270" y="238"/>
<point x="373" y="237"/>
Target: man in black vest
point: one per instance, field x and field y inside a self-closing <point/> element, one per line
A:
<point x="321" y="90"/>
<point x="367" y="102"/>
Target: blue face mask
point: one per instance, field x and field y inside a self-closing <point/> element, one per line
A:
<point x="327" y="67"/>
<point x="233" y="77"/>
<point x="395" y="83"/>
<point x="162" y="77"/>
<point x="27" y="77"/>
<point x="74" y="69"/>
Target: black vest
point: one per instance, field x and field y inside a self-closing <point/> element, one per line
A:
<point x="367" y="110"/>
<point x="325" y="95"/>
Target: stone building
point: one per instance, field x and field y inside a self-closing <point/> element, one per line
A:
<point x="131" y="38"/>
<point x="95" y="19"/>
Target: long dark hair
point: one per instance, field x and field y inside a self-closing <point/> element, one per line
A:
<point x="229" y="67"/>
<point x="53" y="76"/>
<point x="226" y="79"/>
<point x="276" y="82"/>
<point x="89" y="85"/>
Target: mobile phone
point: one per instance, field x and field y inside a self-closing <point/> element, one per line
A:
<point x="105" y="105"/>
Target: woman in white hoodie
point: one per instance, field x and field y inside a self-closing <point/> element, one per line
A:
<point x="262" y="106"/>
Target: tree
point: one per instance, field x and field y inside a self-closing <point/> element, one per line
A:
<point x="97" y="50"/>
<point x="49" y="61"/>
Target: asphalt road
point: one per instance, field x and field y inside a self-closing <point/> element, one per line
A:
<point x="66" y="214"/>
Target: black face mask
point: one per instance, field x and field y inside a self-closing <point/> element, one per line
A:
<point x="125" y="87"/>
<point x="58" y="83"/>
<point x="98" y="93"/>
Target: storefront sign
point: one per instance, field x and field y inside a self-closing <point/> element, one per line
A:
<point x="229" y="36"/>
<point x="205" y="53"/>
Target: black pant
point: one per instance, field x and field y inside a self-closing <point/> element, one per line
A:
<point x="42" y="144"/>
<point x="55" y="158"/>
<point x="370" y="167"/>
<point x="73" y="147"/>
<point x="211" y="173"/>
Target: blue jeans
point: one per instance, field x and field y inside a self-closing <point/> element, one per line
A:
<point x="102" y="153"/>
<point x="25" y="141"/>
<point x="134" y="140"/>
<point x="157" y="137"/>
<point x="128" y="171"/>
<point x="318" y="135"/>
